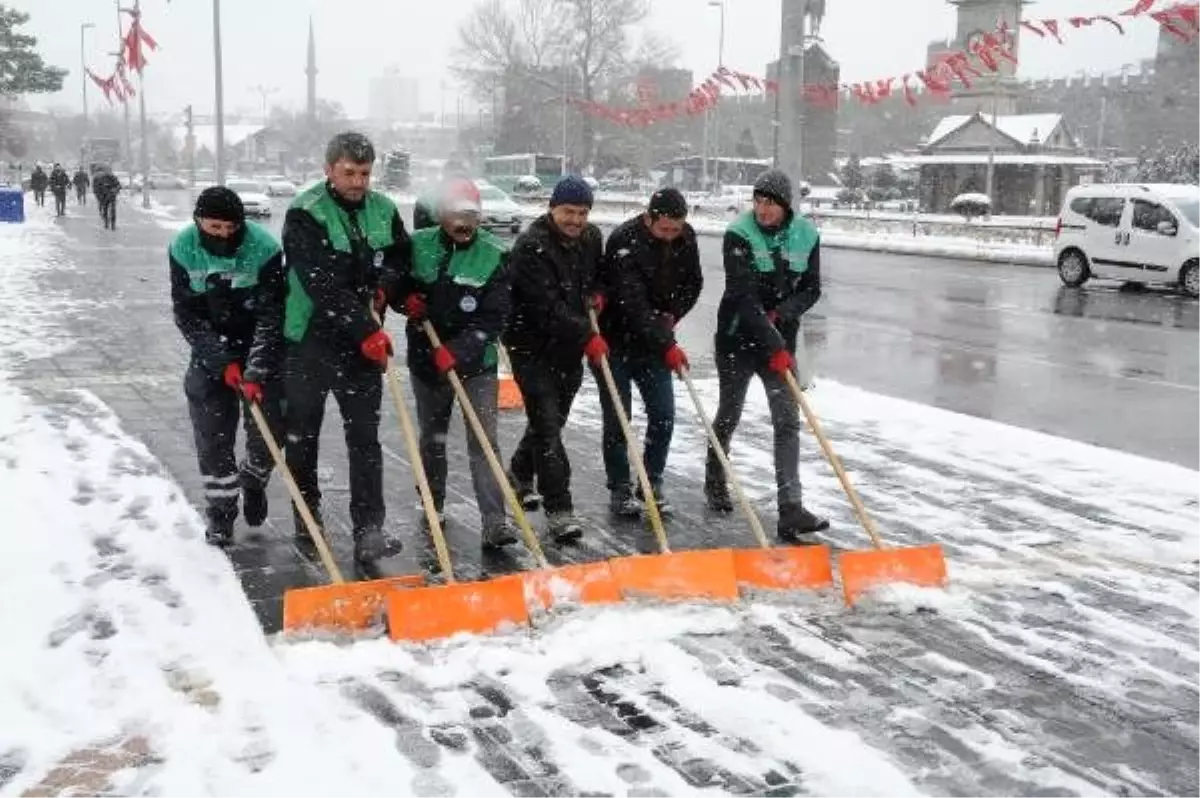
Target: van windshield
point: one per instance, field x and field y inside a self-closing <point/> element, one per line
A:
<point x="1189" y="208"/>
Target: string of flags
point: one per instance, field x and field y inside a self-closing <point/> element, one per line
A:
<point x="936" y="82"/>
<point x="130" y="57"/>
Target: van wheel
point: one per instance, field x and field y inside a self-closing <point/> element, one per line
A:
<point x="1189" y="278"/>
<point x="1073" y="268"/>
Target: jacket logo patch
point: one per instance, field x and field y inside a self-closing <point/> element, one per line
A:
<point x="468" y="304"/>
<point x="378" y="259"/>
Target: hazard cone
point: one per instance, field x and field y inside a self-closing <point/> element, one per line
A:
<point x="509" y="394"/>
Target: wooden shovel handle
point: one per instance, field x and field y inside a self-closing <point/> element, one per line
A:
<point x="631" y="443"/>
<point x="743" y="502"/>
<point x="510" y="496"/>
<point x="855" y="502"/>
<point x="314" y="529"/>
<point x="414" y="457"/>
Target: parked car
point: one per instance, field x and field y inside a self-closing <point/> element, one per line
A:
<point x="163" y="181"/>
<point x="499" y="210"/>
<point x="254" y="196"/>
<point x="280" y="186"/>
<point x="1131" y="232"/>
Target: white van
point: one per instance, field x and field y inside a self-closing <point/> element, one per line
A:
<point x="1131" y="232"/>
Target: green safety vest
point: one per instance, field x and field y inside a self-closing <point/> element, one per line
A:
<point x="796" y="242"/>
<point x="470" y="268"/>
<point x="375" y="221"/>
<point x="241" y="270"/>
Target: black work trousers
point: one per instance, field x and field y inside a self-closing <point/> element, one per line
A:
<point x="314" y="370"/>
<point x="215" y="409"/>
<point x="549" y="389"/>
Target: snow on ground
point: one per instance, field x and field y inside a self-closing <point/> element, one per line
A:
<point x="133" y="643"/>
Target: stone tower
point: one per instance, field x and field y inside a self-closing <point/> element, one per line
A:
<point x="975" y="18"/>
<point x="311" y="71"/>
<point x="807" y="133"/>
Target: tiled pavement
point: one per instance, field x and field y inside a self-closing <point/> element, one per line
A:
<point x="1002" y="681"/>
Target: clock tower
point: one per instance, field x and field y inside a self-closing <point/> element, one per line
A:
<point x="976" y="18"/>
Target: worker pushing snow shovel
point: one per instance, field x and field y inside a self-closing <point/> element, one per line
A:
<point x="651" y="279"/>
<point x="459" y="282"/>
<point x="772" y="278"/>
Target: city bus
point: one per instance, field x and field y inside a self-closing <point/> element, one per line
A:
<point x="504" y="171"/>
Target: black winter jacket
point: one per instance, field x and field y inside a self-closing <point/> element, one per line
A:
<point x="342" y="285"/>
<point x="227" y="325"/>
<point x="553" y="278"/>
<point x="750" y="295"/>
<point x="650" y="285"/>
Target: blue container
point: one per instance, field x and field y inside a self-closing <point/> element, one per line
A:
<point x="12" y="205"/>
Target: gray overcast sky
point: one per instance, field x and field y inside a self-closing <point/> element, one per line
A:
<point x="264" y="42"/>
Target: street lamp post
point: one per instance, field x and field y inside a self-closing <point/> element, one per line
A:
<point x="220" y="89"/>
<point x="717" y="106"/>
<point x="83" y="78"/>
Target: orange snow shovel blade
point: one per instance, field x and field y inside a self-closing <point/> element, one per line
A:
<point x="918" y="565"/>
<point x="678" y="575"/>
<point x="430" y="613"/>
<point x="509" y="395"/>
<point x="787" y="568"/>
<point x="346" y="607"/>
<point x="589" y="583"/>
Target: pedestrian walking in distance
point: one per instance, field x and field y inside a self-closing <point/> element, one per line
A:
<point x="345" y="246"/>
<point x="227" y="291"/>
<point x="82" y="184"/>
<point x="652" y="279"/>
<point x="772" y="278"/>
<point x="459" y="282"/>
<point x="554" y="271"/>
<point x="60" y="183"/>
<point x="38" y="180"/>
<point x="106" y="187"/>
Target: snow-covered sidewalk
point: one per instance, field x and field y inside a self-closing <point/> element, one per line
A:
<point x="1063" y="657"/>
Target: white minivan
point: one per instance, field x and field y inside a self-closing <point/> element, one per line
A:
<point x="1131" y="232"/>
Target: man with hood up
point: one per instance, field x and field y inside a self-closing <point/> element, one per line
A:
<point x="228" y="291"/>
<point x="772" y="278"/>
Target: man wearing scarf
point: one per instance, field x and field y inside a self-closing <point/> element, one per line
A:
<point x="227" y="289"/>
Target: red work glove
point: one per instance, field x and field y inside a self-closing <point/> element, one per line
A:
<point x="676" y="358"/>
<point x="377" y="347"/>
<point x="233" y="375"/>
<point x="781" y="362"/>
<point x="415" y="308"/>
<point x="596" y="348"/>
<point x="252" y="391"/>
<point x="773" y="317"/>
<point x="443" y="358"/>
<point x="380" y="301"/>
<point x="598" y="303"/>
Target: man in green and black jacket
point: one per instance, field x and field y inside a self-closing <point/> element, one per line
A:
<point x="345" y="246"/>
<point x="459" y="282"/>
<point x="772" y="278"/>
<point x="227" y="290"/>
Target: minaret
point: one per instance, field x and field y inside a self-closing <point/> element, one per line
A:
<point x="311" y="71"/>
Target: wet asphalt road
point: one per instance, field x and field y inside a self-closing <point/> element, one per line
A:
<point x="1101" y="365"/>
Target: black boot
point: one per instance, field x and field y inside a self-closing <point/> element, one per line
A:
<point x="564" y="527"/>
<point x="498" y="533"/>
<point x="797" y="524"/>
<point x="622" y="504"/>
<point x="531" y="500"/>
<point x="716" y="496"/>
<point x="665" y="508"/>
<point x="254" y="500"/>
<point x="219" y="531"/>
<point x="372" y="544"/>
